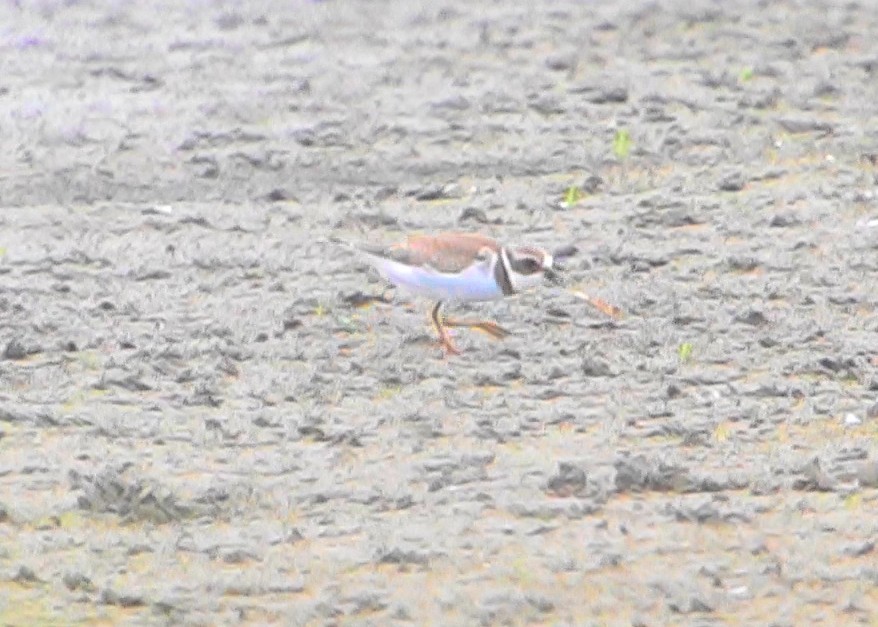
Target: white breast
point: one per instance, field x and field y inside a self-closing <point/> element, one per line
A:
<point x="475" y="283"/>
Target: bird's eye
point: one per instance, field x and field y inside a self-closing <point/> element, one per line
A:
<point x="530" y="264"/>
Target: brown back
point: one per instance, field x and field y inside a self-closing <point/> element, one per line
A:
<point x="446" y="252"/>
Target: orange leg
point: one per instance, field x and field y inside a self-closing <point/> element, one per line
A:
<point x="444" y="338"/>
<point x="491" y="328"/>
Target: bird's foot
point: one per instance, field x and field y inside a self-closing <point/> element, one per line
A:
<point x="491" y="328"/>
<point x="446" y="343"/>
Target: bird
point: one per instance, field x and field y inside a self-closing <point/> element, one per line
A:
<point x="459" y="267"/>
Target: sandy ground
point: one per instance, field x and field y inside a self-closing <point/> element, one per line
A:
<point x="197" y="425"/>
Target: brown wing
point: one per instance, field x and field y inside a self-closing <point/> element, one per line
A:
<point x="446" y="252"/>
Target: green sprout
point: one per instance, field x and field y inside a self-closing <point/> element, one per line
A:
<point x="685" y="352"/>
<point x="746" y="74"/>
<point x="853" y="501"/>
<point x="388" y="392"/>
<point x="622" y="143"/>
<point x="572" y="196"/>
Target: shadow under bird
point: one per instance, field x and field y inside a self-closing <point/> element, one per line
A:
<point x="459" y="267"/>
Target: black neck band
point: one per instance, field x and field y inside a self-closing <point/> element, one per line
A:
<point x="501" y="274"/>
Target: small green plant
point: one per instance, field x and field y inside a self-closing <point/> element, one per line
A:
<point x="388" y="392"/>
<point x="572" y="196"/>
<point x="685" y="352"/>
<point x="346" y="323"/>
<point x="746" y="74"/>
<point x="853" y="501"/>
<point x="622" y="143"/>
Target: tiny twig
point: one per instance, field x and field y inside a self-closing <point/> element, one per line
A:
<point x="600" y="304"/>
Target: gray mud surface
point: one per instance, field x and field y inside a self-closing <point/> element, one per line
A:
<point x="198" y="425"/>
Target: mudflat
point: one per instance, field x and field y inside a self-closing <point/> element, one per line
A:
<point x="201" y="422"/>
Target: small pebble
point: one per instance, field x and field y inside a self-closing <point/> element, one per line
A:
<point x="851" y="420"/>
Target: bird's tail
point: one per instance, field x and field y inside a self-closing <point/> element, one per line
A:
<point x="365" y="251"/>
